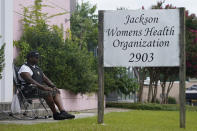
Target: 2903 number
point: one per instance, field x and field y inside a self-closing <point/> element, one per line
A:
<point x="145" y="57"/>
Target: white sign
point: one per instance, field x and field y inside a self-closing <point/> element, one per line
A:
<point x="147" y="38"/>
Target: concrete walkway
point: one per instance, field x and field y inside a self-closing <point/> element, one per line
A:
<point x="80" y="114"/>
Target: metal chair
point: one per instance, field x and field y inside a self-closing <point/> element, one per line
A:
<point x="26" y="101"/>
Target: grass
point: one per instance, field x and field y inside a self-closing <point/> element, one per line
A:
<point x="136" y="120"/>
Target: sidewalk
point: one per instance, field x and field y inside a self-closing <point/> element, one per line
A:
<point x="80" y="114"/>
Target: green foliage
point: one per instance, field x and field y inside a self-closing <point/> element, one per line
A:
<point x="84" y="31"/>
<point x="149" y="106"/>
<point x="68" y="65"/>
<point x="171" y="100"/>
<point x="191" y="45"/>
<point x="110" y="80"/>
<point x="191" y="21"/>
<point x="73" y="67"/>
<point x="119" y="79"/>
<point x="157" y="101"/>
<point x="84" y="26"/>
<point x="24" y="49"/>
<point x="127" y="85"/>
<point x="36" y="33"/>
<point x="2" y="58"/>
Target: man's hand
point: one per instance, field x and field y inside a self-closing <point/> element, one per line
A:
<point x="56" y="89"/>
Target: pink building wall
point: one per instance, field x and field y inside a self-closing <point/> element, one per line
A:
<point x="71" y="101"/>
<point x="55" y="7"/>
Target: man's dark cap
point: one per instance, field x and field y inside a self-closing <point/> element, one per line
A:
<point x="33" y="54"/>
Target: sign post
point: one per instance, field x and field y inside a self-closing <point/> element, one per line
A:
<point x="142" y="38"/>
<point x="182" y="70"/>
<point x="100" y="70"/>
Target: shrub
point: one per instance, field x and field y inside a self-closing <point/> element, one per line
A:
<point x="149" y="106"/>
<point x="118" y="78"/>
<point x="157" y="101"/>
<point x="171" y="100"/>
<point x="73" y="68"/>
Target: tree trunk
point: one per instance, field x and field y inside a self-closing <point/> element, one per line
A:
<point x="141" y="76"/>
<point x="156" y="79"/>
<point x="154" y="98"/>
<point x="168" y="91"/>
<point x="150" y="89"/>
<point x="150" y="85"/>
<point x="163" y="85"/>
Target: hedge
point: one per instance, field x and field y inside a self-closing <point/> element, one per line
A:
<point x="149" y="106"/>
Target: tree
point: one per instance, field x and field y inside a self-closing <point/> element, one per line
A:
<point x="2" y="64"/>
<point x="167" y="74"/>
<point x="84" y="26"/>
<point x="191" y="45"/>
<point x="118" y="79"/>
<point x="63" y="61"/>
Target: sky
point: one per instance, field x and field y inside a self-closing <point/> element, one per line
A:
<point x="190" y="5"/>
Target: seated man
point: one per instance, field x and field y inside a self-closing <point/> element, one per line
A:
<point x="30" y="73"/>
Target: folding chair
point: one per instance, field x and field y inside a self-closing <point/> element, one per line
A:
<point x="26" y="101"/>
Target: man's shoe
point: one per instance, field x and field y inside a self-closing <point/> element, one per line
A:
<point x="67" y="115"/>
<point x="57" y="116"/>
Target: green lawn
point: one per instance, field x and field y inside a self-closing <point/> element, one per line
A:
<point x="135" y="120"/>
